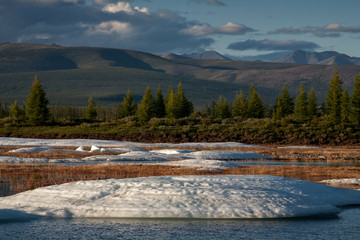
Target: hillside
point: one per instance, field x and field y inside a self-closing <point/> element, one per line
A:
<point x="70" y="75"/>
<point x="322" y="58"/>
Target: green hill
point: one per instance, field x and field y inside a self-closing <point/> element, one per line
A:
<point x="70" y="75"/>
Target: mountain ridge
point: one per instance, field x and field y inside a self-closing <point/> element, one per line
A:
<point x="71" y="74"/>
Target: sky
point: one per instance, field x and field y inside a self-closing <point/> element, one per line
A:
<point x="234" y="27"/>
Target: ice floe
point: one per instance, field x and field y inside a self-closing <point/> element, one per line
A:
<point x="180" y="197"/>
<point x="11" y="159"/>
<point x="32" y="150"/>
<point x="201" y="164"/>
<point x="354" y="181"/>
<point x="4" y="141"/>
<point x="225" y="155"/>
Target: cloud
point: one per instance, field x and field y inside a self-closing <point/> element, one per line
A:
<point x="124" y="7"/>
<point x="97" y="23"/>
<point x="210" y="2"/>
<point x="330" y="30"/>
<point x="268" y="45"/>
<point x="227" y="29"/>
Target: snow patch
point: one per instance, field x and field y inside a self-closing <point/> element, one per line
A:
<point x="226" y="155"/>
<point x="211" y="165"/>
<point x="32" y="150"/>
<point x="354" y="181"/>
<point x="180" y="197"/>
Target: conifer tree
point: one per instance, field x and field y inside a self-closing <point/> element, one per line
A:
<point x="333" y="100"/>
<point x="16" y="112"/>
<point x="222" y="109"/>
<point x="301" y="105"/>
<point x="355" y="102"/>
<point x="284" y="104"/>
<point x="159" y="104"/>
<point x="146" y="107"/>
<point x="345" y="107"/>
<point x="128" y="106"/>
<point x="240" y="106"/>
<point x="255" y="107"/>
<point x="91" y="111"/>
<point x="36" y="109"/>
<point x="183" y="106"/>
<point x="312" y="104"/>
<point x="170" y="103"/>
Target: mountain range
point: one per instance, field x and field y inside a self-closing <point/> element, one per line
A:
<point x="70" y="75"/>
<point x="298" y="56"/>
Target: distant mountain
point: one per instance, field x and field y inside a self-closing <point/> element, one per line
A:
<point x="270" y="57"/>
<point x="321" y="58"/>
<point x="71" y="74"/>
<point x="207" y="55"/>
<point x="173" y="56"/>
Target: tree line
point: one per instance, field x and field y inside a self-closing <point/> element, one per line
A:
<point x="339" y="107"/>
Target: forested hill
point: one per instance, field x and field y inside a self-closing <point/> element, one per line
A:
<point x="71" y="74"/>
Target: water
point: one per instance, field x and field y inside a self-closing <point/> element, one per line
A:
<point x="345" y="226"/>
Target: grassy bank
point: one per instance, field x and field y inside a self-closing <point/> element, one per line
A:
<point x="254" y="131"/>
<point x="19" y="178"/>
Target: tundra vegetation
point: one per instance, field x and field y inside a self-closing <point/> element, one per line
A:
<point x="298" y="119"/>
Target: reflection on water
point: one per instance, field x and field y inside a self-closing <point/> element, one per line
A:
<point x="346" y="226"/>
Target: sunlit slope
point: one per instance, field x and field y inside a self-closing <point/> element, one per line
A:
<point x="71" y="74"/>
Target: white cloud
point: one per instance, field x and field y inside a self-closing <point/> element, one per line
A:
<point x="232" y="29"/>
<point x="124" y="7"/>
<point x="332" y="26"/>
<point x="198" y="30"/>
<point x="142" y="10"/>
<point x="227" y="29"/>
<point x="110" y="27"/>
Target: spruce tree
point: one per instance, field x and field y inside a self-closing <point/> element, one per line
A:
<point x="159" y="104"/>
<point x="355" y="102"/>
<point x="183" y="106"/>
<point x="255" y="107"/>
<point x="345" y="107"/>
<point x="222" y="109"/>
<point x="16" y="112"/>
<point x="333" y="100"/>
<point x="284" y="104"/>
<point x="170" y="103"/>
<point x="36" y="110"/>
<point x="240" y="106"/>
<point x="146" y="107"/>
<point x="91" y="111"/>
<point x="312" y="104"/>
<point x="301" y="105"/>
<point x="128" y="106"/>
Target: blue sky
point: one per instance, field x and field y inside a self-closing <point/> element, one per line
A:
<point x="235" y="27"/>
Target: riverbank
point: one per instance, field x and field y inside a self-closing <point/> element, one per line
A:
<point x="250" y="131"/>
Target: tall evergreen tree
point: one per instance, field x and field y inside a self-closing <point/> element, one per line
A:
<point x="222" y="109"/>
<point x="170" y="103"/>
<point x="159" y="104"/>
<point x="355" y="102"/>
<point x="91" y="111"/>
<point x="301" y="105"/>
<point x="255" y="106"/>
<point x="36" y="109"/>
<point x="312" y="104"/>
<point x="240" y="106"/>
<point x="284" y="104"/>
<point x="345" y="107"/>
<point x="16" y="112"/>
<point x="333" y="100"/>
<point x="183" y="105"/>
<point x="128" y="105"/>
<point x="146" y="107"/>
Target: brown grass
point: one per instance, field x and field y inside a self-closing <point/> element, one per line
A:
<point x="20" y="178"/>
<point x="16" y="178"/>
